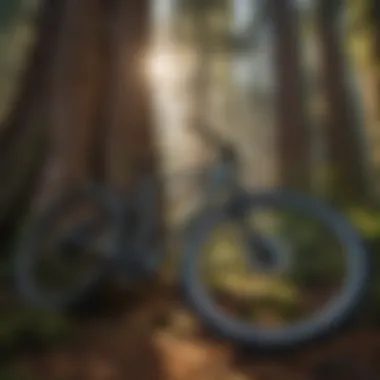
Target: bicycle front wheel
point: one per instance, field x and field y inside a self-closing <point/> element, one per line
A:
<point x="337" y="235"/>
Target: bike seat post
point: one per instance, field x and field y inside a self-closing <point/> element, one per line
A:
<point x="223" y="175"/>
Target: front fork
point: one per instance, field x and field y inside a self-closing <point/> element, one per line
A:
<point x="266" y="254"/>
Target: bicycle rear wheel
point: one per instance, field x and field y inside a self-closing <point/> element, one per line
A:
<point x="79" y="254"/>
<point x="326" y="320"/>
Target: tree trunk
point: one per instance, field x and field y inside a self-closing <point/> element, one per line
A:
<point x="22" y="138"/>
<point x="129" y="150"/>
<point x="293" y="133"/>
<point x="74" y="99"/>
<point x="100" y="114"/>
<point x="99" y="66"/>
<point x="374" y="20"/>
<point x="98" y="102"/>
<point x="344" y="139"/>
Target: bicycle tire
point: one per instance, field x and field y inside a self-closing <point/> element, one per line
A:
<point x="331" y="319"/>
<point x="25" y="255"/>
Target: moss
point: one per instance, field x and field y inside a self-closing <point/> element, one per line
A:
<point x="22" y="326"/>
<point x="366" y="220"/>
<point x="12" y="374"/>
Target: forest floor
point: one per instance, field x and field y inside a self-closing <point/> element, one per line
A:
<point x="160" y="339"/>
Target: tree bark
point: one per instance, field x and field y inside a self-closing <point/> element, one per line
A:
<point x="294" y="153"/>
<point x="74" y="93"/>
<point x="130" y="150"/>
<point x="99" y="105"/>
<point x="97" y="101"/>
<point x="344" y="139"/>
<point x="129" y="142"/>
<point x="22" y="138"/>
<point x="374" y="18"/>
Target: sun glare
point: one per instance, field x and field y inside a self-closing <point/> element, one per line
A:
<point x="161" y="65"/>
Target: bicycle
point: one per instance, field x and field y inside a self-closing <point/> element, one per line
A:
<point x="127" y="250"/>
<point x="268" y="256"/>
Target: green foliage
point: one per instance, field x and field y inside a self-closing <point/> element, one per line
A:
<point x="366" y="220"/>
<point x="18" y="321"/>
<point x="11" y="373"/>
<point x="41" y="327"/>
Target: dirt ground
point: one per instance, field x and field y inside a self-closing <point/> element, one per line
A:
<point x="162" y="340"/>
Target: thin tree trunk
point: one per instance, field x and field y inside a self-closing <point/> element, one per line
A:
<point x="293" y="133"/>
<point x="344" y="141"/>
<point x="374" y="19"/>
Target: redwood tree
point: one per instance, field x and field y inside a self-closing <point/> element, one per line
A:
<point x="85" y="95"/>
<point x="294" y="153"/>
